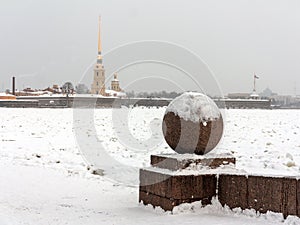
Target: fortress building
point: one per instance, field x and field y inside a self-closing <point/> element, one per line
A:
<point x="98" y="85"/>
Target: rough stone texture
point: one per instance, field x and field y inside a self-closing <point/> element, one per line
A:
<point x="298" y="198"/>
<point x="233" y="191"/>
<point x="155" y="200"/>
<point x="156" y="183"/>
<point x="190" y="137"/>
<point x="272" y="194"/>
<point x="264" y="193"/>
<point x="165" y="203"/>
<point x="166" y="162"/>
<point x="260" y="193"/>
<point x="173" y="163"/>
<point x="289" y="197"/>
<point x="163" y="190"/>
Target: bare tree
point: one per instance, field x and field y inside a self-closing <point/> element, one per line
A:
<point x="68" y="88"/>
<point x="82" y="89"/>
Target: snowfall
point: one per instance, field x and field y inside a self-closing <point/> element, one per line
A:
<point x="59" y="166"/>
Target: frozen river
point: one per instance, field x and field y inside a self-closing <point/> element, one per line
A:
<point x="46" y="177"/>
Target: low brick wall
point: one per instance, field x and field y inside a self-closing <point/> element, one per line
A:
<point x="243" y="104"/>
<point x="233" y="191"/>
<point x="91" y="102"/>
<point x="277" y="194"/>
<point x="261" y="193"/>
<point x="19" y="104"/>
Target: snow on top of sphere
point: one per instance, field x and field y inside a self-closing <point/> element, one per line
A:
<point x="194" y="107"/>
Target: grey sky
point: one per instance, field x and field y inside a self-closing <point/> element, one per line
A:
<point x="45" y="42"/>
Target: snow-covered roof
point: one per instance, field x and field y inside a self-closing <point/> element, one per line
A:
<point x="43" y="94"/>
<point x="254" y="94"/>
<point x="115" y="93"/>
<point x="6" y="95"/>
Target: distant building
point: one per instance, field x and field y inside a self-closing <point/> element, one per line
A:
<point x="285" y="100"/>
<point x="238" y="95"/>
<point x="98" y="85"/>
<point x="267" y="93"/>
<point x="5" y="96"/>
<point x="55" y="89"/>
<point x="115" y="84"/>
<point x="254" y="95"/>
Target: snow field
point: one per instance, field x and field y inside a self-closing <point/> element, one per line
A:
<point x="44" y="179"/>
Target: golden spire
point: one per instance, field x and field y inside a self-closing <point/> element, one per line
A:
<point x="99" y="57"/>
<point x="99" y="37"/>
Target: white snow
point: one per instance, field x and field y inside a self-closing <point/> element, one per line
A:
<point x="45" y="180"/>
<point x="111" y="93"/>
<point x="5" y="94"/>
<point x="115" y="93"/>
<point x="192" y="106"/>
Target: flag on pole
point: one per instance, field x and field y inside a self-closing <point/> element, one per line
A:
<point x="256" y="77"/>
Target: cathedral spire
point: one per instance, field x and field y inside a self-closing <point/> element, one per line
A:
<point x="99" y="58"/>
<point x="98" y="85"/>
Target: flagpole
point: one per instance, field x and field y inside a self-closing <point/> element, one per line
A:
<point x="254" y="86"/>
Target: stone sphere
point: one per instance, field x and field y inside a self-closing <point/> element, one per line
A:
<point x="193" y="123"/>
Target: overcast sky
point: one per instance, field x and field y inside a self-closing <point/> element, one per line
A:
<point x="45" y="42"/>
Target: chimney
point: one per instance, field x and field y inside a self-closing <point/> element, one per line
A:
<point x="14" y="86"/>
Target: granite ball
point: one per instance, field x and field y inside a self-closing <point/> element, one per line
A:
<point x="193" y="124"/>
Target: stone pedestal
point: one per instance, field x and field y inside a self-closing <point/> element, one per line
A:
<point x="167" y="184"/>
<point x="178" y="162"/>
<point x="167" y="191"/>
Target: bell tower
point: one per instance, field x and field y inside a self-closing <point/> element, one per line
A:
<point x="115" y="85"/>
<point x="98" y="85"/>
